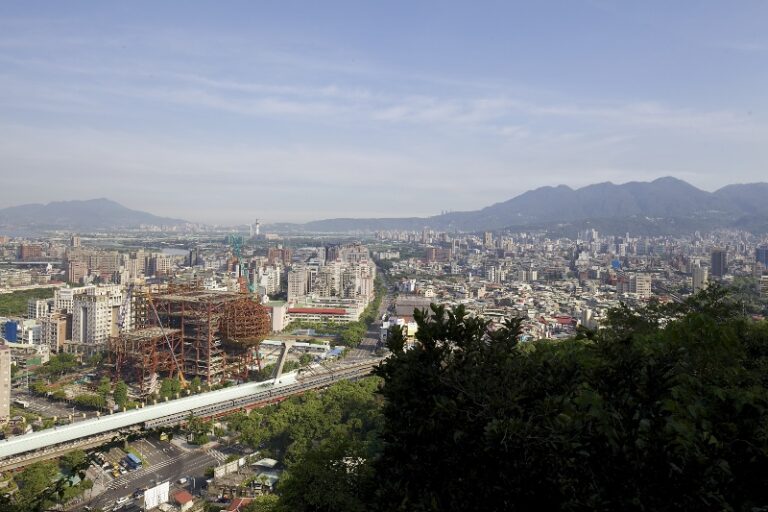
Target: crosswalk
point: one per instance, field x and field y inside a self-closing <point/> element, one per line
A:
<point x="135" y="475"/>
<point x="126" y="479"/>
<point x="216" y="454"/>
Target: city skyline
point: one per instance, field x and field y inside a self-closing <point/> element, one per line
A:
<point x="306" y="112"/>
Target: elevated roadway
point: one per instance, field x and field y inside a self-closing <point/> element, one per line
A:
<point x="21" y="450"/>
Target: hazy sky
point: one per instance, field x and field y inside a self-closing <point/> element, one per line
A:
<point x="291" y="111"/>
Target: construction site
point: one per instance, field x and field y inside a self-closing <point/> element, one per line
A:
<point x="184" y="332"/>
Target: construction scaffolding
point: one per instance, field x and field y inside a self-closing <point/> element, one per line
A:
<point x="140" y="355"/>
<point x="212" y="335"/>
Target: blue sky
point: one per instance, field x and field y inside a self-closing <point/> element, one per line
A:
<point x="223" y="112"/>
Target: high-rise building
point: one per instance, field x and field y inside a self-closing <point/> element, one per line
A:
<point x="74" y="241"/>
<point x="488" y="239"/>
<point x="5" y="383"/>
<point x="699" y="278"/>
<point x="95" y="314"/>
<point x="719" y="262"/>
<point x="54" y="330"/>
<point x="641" y="285"/>
<point x="76" y="271"/>
<point x="30" y="252"/>
<point x="761" y="255"/>
<point x="160" y="264"/>
<point x="279" y="254"/>
<point x="63" y="298"/>
<point x="37" y="308"/>
<point x="297" y="284"/>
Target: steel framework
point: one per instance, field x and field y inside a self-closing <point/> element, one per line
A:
<point x="208" y="334"/>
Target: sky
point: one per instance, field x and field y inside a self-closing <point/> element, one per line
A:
<point x="224" y="112"/>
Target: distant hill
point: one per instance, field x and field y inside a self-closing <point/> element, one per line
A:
<point x="80" y="215"/>
<point x="649" y="203"/>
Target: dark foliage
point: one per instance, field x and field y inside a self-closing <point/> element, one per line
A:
<point x="665" y="409"/>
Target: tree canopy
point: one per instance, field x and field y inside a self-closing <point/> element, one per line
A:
<point x="664" y="409"/>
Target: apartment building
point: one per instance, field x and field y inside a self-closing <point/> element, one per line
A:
<point x="55" y="329"/>
<point x="37" y="308"/>
<point x="95" y="314"/>
<point x="5" y="383"/>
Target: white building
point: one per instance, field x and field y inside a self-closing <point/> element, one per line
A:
<point x="699" y="278"/>
<point x="5" y="383"/>
<point x="297" y="284"/>
<point x="95" y="314"/>
<point x="37" y="308"/>
<point x="63" y="298"/>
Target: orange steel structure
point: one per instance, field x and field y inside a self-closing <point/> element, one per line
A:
<point x="207" y="334"/>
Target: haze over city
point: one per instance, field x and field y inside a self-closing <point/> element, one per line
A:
<point x="220" y="113"/>
<point x="345" y="256"/>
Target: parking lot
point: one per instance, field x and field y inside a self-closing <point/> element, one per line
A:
<point x="46" y="408"/>
<point x="163" y="461"/>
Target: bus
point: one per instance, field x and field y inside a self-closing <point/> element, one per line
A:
<point x="132" y="461"/>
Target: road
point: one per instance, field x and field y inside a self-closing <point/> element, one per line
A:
<point x="48" y="408"/>
<point x="170" y="465"/>
<point x="369" y="344"/>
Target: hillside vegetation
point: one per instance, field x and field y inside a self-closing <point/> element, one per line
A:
<point x="664" y="409"/>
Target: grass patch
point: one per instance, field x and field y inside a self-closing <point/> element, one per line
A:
<point x="134" y="451"/>
<point x="15" y="303"/>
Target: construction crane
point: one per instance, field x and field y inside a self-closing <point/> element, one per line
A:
<point x="236" y="242"/>
<point x="179" y="369"/>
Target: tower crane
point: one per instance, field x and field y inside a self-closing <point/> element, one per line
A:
<point x="236" y="242"/>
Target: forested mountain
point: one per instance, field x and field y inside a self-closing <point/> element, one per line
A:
<point x="627" y="204"/>
<point x="79" y="215"/>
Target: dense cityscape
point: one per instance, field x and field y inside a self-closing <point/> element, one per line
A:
<point x="383" y="256"/>
<point x="94" y="324"/>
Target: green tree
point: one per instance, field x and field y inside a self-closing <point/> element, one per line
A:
<point x="664" y="409"/>
<point x="333" y="477"/>
<point x="104" y="387"/>
<point x="196" y="384"/>
<point x="266" y="503"/>
<point x="170" y="387"/>
<point x="121" y="393"/>
<point x="36" y="484"/>
<point x="58" y="365"/>
<point x="90" y="400"/>
<point x="198" y="430"/>
<point x="39" y="387"/>
<point x="72" y="460"/>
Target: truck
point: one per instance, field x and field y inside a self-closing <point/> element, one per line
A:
<point x="132" y="461"/>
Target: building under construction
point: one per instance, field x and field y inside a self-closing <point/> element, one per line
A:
<point x="190" y="333"/>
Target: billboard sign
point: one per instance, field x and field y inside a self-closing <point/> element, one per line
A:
<point x="156" y="495"/>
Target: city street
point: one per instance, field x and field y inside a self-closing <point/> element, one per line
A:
<point x="368" y="346"/>
<point x="164" y="462"/>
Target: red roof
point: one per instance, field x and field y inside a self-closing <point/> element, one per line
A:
<point x="182" y="497"/>
<point x="319" y="311"/>
<point x="237" y="503"/>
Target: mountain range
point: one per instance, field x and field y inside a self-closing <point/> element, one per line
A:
<point x="663" y="206"/>
<point x="80" y="215"/>
<point x="663" y="202"/>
